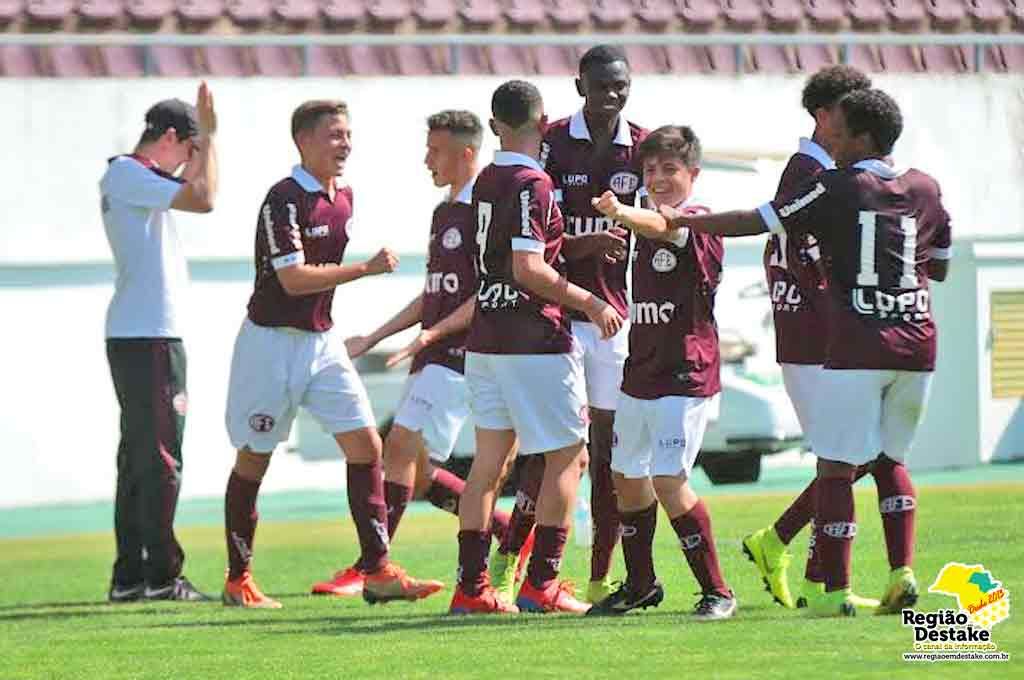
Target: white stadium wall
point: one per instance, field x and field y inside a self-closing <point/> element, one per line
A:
<point x="60" y="417"/>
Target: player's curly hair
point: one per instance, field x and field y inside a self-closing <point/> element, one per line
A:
<point x="601" y="55"/>
<point x="516" y="103"/>
<point x="876" y="113"/>
<point x="827" y="86"/>
<point x="308" y="114"/>
<point x="463" y="125"/>
<point x="672" y="141"/>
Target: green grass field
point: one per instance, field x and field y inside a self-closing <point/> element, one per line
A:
<point x="54" y="623"/>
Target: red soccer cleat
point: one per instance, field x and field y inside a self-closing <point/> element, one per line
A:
<point x="487" y="602"/>
<point x="524" y="553"/>
<point x="243" y="592"/>
<point x="348" y="583"/>
<point x="558" y="597"/>
<point x="392" y="583"/>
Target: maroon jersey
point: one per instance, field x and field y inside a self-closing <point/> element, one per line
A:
<point x="878" y="228"/>
<point x="451" y="278"/>
<point x="673" y="338"/>
<point x="297" y="224"/>
<point x="515" y="209"/>
<point x="580" y="171"/>
<point x="792" y="268"/>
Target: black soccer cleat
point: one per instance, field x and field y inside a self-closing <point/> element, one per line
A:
<point x="714" y="607"/>
<point x="625" y="599"/>
<point x="178" y="590"/>
<point x="119" y="594"/>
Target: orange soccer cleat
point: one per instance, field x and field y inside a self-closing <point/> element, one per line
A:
<point x="243" y="592"/>
<point x="348" y="583"/>
<point x="487" y="602"/>
<point x="392" y="583"/>
<point x="558" y="597"/>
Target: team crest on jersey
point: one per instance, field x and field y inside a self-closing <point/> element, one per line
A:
<point x="261" y="422"/>
<point x="663" y="261"/>
<point x="624" y="182"/>
<point x="451" y="239"/>
<point x="180" y="403"/>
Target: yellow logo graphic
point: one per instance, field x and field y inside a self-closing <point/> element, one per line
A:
<point x="977" y="593"/>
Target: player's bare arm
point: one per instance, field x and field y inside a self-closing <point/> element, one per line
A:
<point x="411" y="314"/>
<point x="647" y="223"/>
<point x="200" y="174"/>
<point x="533" y="273"/>
<point x="456" y="322"/>
<point x="305" y="279"/>
<point x="608" y="245"/>
<point x="732" y="223"/>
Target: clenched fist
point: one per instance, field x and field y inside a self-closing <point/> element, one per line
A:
<point x="384" y="262"/>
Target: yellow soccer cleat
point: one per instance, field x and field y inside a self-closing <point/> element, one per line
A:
<point x="598" y="591"/>
<point x="769" y="555"/>
<point x="834" y="604"/>
<point x="504" y="575"/>
<point x="901" y="593"/>
<point x="810" y="590"/>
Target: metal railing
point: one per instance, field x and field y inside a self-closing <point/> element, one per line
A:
<point x="454" y="41"/>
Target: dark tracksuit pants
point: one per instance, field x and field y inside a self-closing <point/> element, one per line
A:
<point x="149" y="378"/>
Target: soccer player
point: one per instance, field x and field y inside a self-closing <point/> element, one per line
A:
<point x="883" y="233"/>
<point x="288" y="355"/>
<point x="436" y="401"/>
<point x="670" y="376"/>
<point x="796" y="284"/>
<point x="586" y="154"/>
<point x="525" y="381"/>
<point x="143" y="337"/>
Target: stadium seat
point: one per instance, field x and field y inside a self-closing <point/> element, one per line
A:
<point x="947" y="58"/>
<point x="988" y="15"/>
<point x="742" y="16"/>
<point x="699" y="16"/>
<point x="277" y="61"/>
<point x="122" y="61"/>
<point x="865" y="57"/>
<point x="249" y="13"/>
<point x="49" y="12"/>
<point x="342" y="14"/>
<point x="949" y="16"/>
<point x="100" y="13"/>
<point x="867" y="15"/>
<point x="826" y="16"/>
<point x="434" y="14"/>
<point x="1015" y="8"/>
<point x="610" y="15"/>
<point x="199" y="14"/>
<point x="179" y="62"/>
<point x="218" y="60"/>
<point x="420" y="60"/>
<point x="509" y="60"/>
<point x="296" y="12"/>
<point x="387" y="15"/>
<point x="367" y="60"/>
<point x="567" y="15"/>
<point x="323" y="61"/>
<point x="1006" y="58"/>
<point x="654" y="15"/>
<point x="906" y="16"/>
<point x="480" y="14"/>
<point x="647" y="59"/>
<point x="10" y="10"/>
<point x="525" y="15"/>
<point x="785" y="16"/>
<point x="471" y="60"/>
<point x="901" y="59"/>
<point x="19" y="61"/>
<point x="556" y="60"/>
<point x="149" y="13"/>
<point x="810" y="58"/>
<point x="720" y="59"/>
<point x="774" y="59"/>
<point x="70" y="61"/>
<point x="687" y="59"/>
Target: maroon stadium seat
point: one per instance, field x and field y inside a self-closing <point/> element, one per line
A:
<point x="826" y="16"/>
<point x="526" y="15"/>
<point x="947" y="58"/>
<point x="987" y="15"/>
<point x="277" y="61"/>
<point x="610" y="14"/>
<point x="342" y="14"/>
<point x="147" y="13"/>
<point x="647" y="59"/>
<point x="122" y="61"/>
<point x="687" y="59"/>
<point x="249" y="13"/>
<point x="784" y="15"/>
<point x="556" y="60"/>
<point x="773" y="59"/>
<point x="742" y="15"/>
<point x="296" y="12"/>
<point x="654" y="15"/>
<point x="1006" y="58"/>
<point x="434" y="14"/>
<point x="72" y="61"/>
<point x="10" y="10"/>
<point x="324" y="61"/>
<point x="699" y="16"/>
<point x="19" y="61"/>
<point x="720" y="59"/>
<point x="907" y="16"/>
<point x="220" y="60"/>
<point x="864" y="57"/>
<point x="509" y="60"/>
<point x="367" y="60"/>
<point x="420" y="60"/>
<point x="867" y="15"/>
<point x="173" y="61"/>
<point x="480" y="14"/>
<point x="568" y="15"/>
<point x="815" y="57"/>
<point x="899" y="59"/>
<point x="199" y="13"/>
<point x="1015" y="8"/>
<point x="49" y="11"/>
<point x="100" y="12"/>
<point x="472" y="60"/>
<point x="949" y="16"/>
<point x="386" y="15"/>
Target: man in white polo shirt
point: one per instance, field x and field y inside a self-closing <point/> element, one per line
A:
<point x="144" y="348"/>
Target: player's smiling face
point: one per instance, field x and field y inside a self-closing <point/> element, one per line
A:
<point x="605" y="88"/>
<point x="848" y="148"/>
<point x="444" y="153"/>
<point x="326" y="147"/>
<point x="668" y="180"/>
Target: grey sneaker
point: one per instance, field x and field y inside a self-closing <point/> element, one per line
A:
<point x="626" y="599"/>
<point x="119" y="594"/>
<point x="714" y="607"/>
<point x="180" y="590"/>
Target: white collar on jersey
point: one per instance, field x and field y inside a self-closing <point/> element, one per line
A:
<point x="578" y="130"/>
<point x="880" y="168"/>
<point x="465" y="194"/>
<point x="508" y="158"/>
<point x="809" y="147"/>
<point x="308" y="183"/>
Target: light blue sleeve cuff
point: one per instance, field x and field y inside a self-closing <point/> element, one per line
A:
<point x="770" y="219"/>
<point x="528" y="244"/>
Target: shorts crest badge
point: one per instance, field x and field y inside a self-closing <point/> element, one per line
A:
<point x="261" y="422"/>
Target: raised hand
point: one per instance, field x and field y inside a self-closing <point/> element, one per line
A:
<point x="204" y="110"/>
<point x="384" y="262"/>
<point x="608" y="205"/>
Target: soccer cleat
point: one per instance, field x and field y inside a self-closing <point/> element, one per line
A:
<point x="558" y="597"/>
<point x="901" y="593"/>
<point x="487" y="602"/>
<point x="714" y="607"/>
<point x="391" y="583"/>
<point x="525" y="552"/>
<point x="243" y="592"/>
<point x="348" y="583"/>
<point x="121" y="594"/>
<point x="178" y="590"/>
<point x="810" y="590"/>
<point x="771" y="558"/>
<point x="626" y="599"/>
<point x="598" y="591"/>
<point x="831" y="604"/>
<point x="505" y="574"/>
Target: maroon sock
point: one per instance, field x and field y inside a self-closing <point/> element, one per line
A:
<point x="897" y="504"/>
<point x="603" y="507"/>
<point x="369" y="513"/>
<point x="835" y="527"/>
<point x="473" y="549"/>
<point x="813" y="571"/>
<point x="548" y="546"/>
<point x="396" y="498"/>
<point x="445" y="490"/>
<point x="524" y="515"/>
<point x="694" y="532"/>
<point x="638" y="547"/>
<point x="796" y="516"/>
<point x="240" y="519"/>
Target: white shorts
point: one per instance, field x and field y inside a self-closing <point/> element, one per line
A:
<point x="804" y="385"/>
<point x="658" y="437"/>
<point x="540" y="396"/>
<point x="864" y="413"/>
<point x="602" y="362"/>
<point x="276" y="370"/>
<point x="435" y="403"/>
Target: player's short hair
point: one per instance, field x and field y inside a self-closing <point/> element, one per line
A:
<point x="463" y="125"/>
<point x="876" y="113"/>
<point x="830" y="84"/>
<point x="308" y="115"/>
<point x="516" y="103"/>
<point x="600" y="55"/>
<point x="672" y="141"/>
